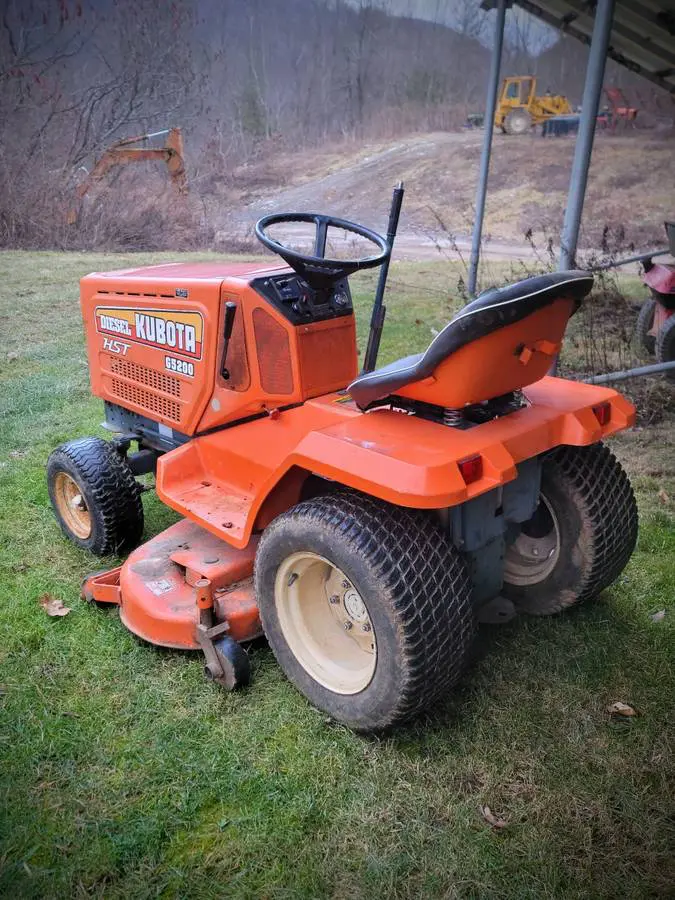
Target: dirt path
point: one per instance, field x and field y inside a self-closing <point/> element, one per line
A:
<point x="353" y="191"/>
<point x="528" y="188"/>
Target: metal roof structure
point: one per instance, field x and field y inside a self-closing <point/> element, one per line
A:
<point x="642" y="37"/>
<point x="639" y="34"/>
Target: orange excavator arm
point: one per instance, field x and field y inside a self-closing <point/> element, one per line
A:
<point x="122" y="153"/>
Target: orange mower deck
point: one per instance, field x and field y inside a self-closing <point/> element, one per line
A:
<point x="158" y="587"/>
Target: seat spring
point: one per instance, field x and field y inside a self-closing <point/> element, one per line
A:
<point x="452" y="417"/>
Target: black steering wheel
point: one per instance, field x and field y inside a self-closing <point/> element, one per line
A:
<point x="317" y="270"/>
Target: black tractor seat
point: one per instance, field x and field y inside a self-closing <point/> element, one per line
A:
<point x="491" y="310"/>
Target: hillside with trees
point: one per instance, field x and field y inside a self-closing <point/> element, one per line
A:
<point x="245" y="82"/>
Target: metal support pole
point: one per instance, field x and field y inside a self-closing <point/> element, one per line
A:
<point x="595" y="73"/>
<point x="641" y="257"/>
<point x="489" y="125"/>
<point x="655" y="369"/>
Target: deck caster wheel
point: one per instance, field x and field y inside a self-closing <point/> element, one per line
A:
<point x="235" y="668"/>
<point x="95" y="497"/>
<point x="366" y="606"/>
<point x="581" y="536"/>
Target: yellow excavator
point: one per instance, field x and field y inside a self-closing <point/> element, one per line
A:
<point x="519" y="107"/>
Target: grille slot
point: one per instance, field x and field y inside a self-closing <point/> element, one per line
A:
<point x="165" y="407"/>
<point x="274" y="355"/>
<point x="167" y="384"/>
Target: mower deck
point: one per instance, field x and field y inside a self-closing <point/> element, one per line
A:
<point x="156" y="588"/>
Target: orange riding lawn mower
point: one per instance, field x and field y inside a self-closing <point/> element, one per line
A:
<point x="364" y="522"/>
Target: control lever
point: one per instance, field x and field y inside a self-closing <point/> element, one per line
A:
<point x="230" y="312"/>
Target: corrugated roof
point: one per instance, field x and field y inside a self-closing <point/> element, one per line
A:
<point x="643" y="33"/>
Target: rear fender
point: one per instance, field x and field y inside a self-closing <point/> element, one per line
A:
<point x="237" y="480"/>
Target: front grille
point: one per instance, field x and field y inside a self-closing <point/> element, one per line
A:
<point x="165" y="407"/>
<point x="167" y="384"/>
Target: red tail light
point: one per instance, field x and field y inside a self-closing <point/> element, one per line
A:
<point x="603" y="412"/>
<point x="471" y="468"/>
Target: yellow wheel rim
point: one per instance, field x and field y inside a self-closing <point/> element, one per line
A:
<point x="72" y="506"/>
<point x="325" y="623"/>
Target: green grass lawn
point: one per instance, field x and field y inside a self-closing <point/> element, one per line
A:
<point x="124" y="774"/>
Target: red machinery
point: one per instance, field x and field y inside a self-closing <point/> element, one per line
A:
<point x="656" y="320"/>
<point x="618" y="109"/>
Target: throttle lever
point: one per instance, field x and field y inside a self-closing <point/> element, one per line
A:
<point x="230" y="312"/>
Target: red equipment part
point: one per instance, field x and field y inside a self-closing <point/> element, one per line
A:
<point x="620" y="111"/>
<point x="661" y="278"/>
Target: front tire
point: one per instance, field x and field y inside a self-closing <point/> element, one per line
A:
<point x="95" y="497"/>
<point x="581" y="536"/>
<point x="367" y="607"/>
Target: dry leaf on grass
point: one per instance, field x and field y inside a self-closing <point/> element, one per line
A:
<point x="658" y="616"/>
<point x="53" y="606"/>
<point x="621" y="709"/>
<point x="663" y="497"/>
<point x="491" y="818"/>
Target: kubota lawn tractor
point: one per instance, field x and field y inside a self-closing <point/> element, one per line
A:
<point x="364" y="522"/>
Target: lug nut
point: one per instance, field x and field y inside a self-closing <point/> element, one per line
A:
<point x="334" y="599"/>
<point x="366" y="627"/>
<point x="345" y="584"/>
<point x="348" y="626"/>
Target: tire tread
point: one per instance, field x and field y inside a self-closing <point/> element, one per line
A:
<point x="117" y="506"/>
<point x="424" y="579"/>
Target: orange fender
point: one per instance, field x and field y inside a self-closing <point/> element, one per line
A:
<point x="223" y="480"/>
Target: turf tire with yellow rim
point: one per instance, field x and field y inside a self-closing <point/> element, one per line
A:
<point x="95" y="497"/>
<point x="367" y="607"/>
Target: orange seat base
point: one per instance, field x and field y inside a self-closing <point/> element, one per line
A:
<point x="155" y="588"/>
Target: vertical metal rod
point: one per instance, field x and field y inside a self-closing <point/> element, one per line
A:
<point x="595" y="73"/>
<point x="489" y="125"/>
<point x="379" y="309"/>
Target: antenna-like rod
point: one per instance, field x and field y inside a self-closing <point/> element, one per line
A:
<point x="379" y="310"/>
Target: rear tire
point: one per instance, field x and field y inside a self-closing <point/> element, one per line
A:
<point x="367" y="607"/>
<point x="665" y="344"/>
<point x="95" y="497"/>
<point x="644" y="323"/>
<point x="581" y="537"/>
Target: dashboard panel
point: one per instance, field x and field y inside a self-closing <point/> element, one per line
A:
<point x="300" y="303"/>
